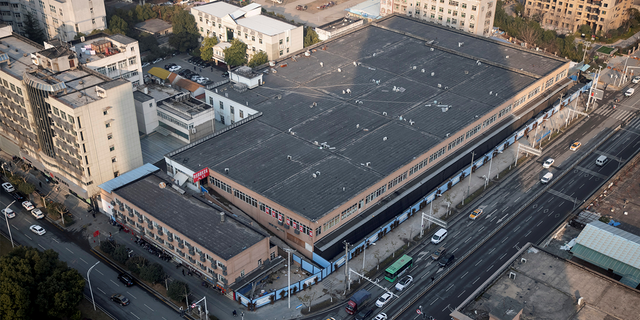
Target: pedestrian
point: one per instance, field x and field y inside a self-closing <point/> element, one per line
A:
<point x="183" y="272"/>
<point x="40" y="183"/>
<point x="200" y="69"/>
<point x="211" y="69"/>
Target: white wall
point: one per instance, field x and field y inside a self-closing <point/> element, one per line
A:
<point x="213" y="99"/>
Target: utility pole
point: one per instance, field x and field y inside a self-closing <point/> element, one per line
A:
<point x="288" y="250"/>
<point x="470" y="173"/>
<point x="346" y="264"/>
<point x="6" y="218"/>
<point x="90" y="289"/>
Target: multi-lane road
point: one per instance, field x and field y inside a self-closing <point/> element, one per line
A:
<point x="520" y="210"/>
<point x="104" y="280"/>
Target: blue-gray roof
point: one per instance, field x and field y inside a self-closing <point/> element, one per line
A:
<point x="128" y="177"/>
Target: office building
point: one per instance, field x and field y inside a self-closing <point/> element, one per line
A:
<point x="568" y="16"/>
<point x="217" y="245"/>
<point x="261" y="33"/>
<point x="58" y="19"/>
<point x="474" y="16"/>
<point x="74" y="124"/>
<point x="333" y="144"/>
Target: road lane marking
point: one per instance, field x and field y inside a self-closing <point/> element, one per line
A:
<point x="505" y="209"/>
<point x="135" y="315"/>
<point x="464" y="274"/>
<point x="550" y="213"/>
<point x="476" y="280"/>
<point x="505" y="239"/>
<point x="446" y="308"/>
<point x="101" y="290"/>
<point x="98" y="271"/>
<point x="41" y="246"/>
<point x="527" y="220"/>
<point x="490" y="251"/>
<point x="454" y="250"/>
<point x="449" y="288"/>
<point x="582" y="185"/>
<point x="56" y="240"/>
<point x="517" y="199"/>
<point x="490" y="268"/>
<point x="12" y="226"/>
<point x="461" y="293"/>
<point x="434" y="301"/>
<point x="493" y="219"/>
<point x="129" y="293"/>
<point x="502" y="256"/>
<point x="481" y="229"/>
<point x="27" y="236"/>
<point x="468" y="239"/>
<point x="527" y="233"/>
<point x="457" y="233"/>
<point x="516" y="229"/>
<point x="539" y="223"/>
<point x="69" y="250"/>
<point x="478" y="262"/>
<point x="149" y="307"/>
<point x="114" y="283"/>
<point x="83" y="260"/>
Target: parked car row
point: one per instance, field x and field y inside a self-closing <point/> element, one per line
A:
<point x="188" y="74"/>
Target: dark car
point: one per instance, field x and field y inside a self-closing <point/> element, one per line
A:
<point x="169" y="65"/>
<point x="120" y="299"/>
<point x="17" y="196"/>
<point x="447" y="260"/>
<point x="364" y="314"/>
<point x="126" y="279"/>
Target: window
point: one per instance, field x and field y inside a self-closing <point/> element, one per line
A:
<point x="220" y="185"/>
<point x="455" y="142"/>
<point x="63" y="115"/>
<point x="56" y="111"/>
<point x="241" y="114"/>
<point x="111" y="67"/>
<point x="112" y="147"/>
<point x="94" y="22"/>
<point x="52" y="8"/>
<point x="260" y="40"/>
<point x="437" y="154"/>
<point x="105" y="112"/>
<point x="280" y="41"/>
<point x="122" y="64"/>
<point x="221" y="105"/>
<point x="380" y="191"/>
<point x="113" y="159"/>
<point x="107" y="125"/>
<point x="132" y="60"/>
<point x="280" y="52"/>
<point x="474" y="8"/>
<point x="397" y="180"/>
<point x="464" y="6"/>
<point x="287" y="39"/>
<point x="109" y="136"/>
<point x="13" y="87"/>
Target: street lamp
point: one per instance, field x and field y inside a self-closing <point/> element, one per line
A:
<point x="289" y="275"/>
<point x="7" y="219"/>
<point x="91" y="290"/>
<point x="365" y="253"/>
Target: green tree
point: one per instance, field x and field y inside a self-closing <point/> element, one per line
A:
<point x="32" y="29"/>
<point x="184" y="41"/>
<point x="26" y="188"/>
<point x="206" y="50"/>
<point x="310" y="37"/>
<point x="585" y="28"/>
<point x="185" y="22"/>
<point x="259" y="58"/>
<point x="145" y="12"/>
<point x="236" y="54"/>
<point x="152" y="273"/>
<point x="79" y="35"/>
<point x="178" y="290"/>
<point x="135" y="264"/>
<point x="118" y="25"/>
<point x="37" y="285"/>
<point x="107" y="247"/>
<point x="120" y="254"/>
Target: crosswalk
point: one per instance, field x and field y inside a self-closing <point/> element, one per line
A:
<point x="634" y="124"/>
<point x="618" y="113"/>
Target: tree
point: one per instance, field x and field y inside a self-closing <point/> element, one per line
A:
<point x="118" y="25"/>
<point x="152" y="273"/>
<point x="529" y="33"/>
<point x="135" y="264"/>
<point x="183" y="41"/>
<point x="145" y="12"/>
<point x="107" y="247"/>
<point x="26" y="188"/>
<point x="585" y="29"/>
<point x="310" y="37"/>
<point x="37" y="285"/>
<point x="178" y="290"/>
<point x="236" y="54"/>
<point x="259" y="58"/>
<point x="184" y="21"/>
<point x="206" y="50"/>
<point x="120" y="254"/>
<point x="307" y="299"/>
<point x="32" y="29"/>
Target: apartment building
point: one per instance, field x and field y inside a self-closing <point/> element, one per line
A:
<point x="116" y="56"/>
<point x="567" y="16"/>
<point x="260" y="33"/>
<point x="74" y="124"/>
<point x="474" y="16"/>
<point x="61" y="19"/>
<point x="218" y="246"/>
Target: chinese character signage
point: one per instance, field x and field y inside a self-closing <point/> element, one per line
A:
<point x="200" y="175"/>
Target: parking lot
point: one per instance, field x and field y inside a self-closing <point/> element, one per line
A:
<point x="213" y="73"/>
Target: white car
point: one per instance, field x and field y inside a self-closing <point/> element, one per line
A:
<point x="157" y="60"/>
<point x="146" y="64"/>
<point x="37" y="213"/>
<point x="28" y="205"/>
<point x="8" y="187"/>
<point x="629" y="92"/>
<point x="37" y="229"/>
<point x="175" y="68"/>
<point x="381" y="316"/>
<point x="9" y="213"/>
<point x="636" y="79"/>
<point x="548" y="163"/>
<point x="403" y="283"/>
<point x="383" y="300"/>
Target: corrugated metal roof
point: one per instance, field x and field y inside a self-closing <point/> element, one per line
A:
<point x="159" y="72"/>
<point x="631" y="275"/>
<point x="612" y="242"/>
<point x="128" y="177"/>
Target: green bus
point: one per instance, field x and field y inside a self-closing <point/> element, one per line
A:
<point x="398" y="268"/>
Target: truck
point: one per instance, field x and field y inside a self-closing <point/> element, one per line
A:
<point x="357" y="301"/>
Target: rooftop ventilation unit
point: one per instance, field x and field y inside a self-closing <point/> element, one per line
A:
<point x="339" y="70"/>
<point x="321" y="64"/>
<point x="289" y="158"/>
<point x="460" y="44"/>
<point x="355" y="63"/>
<point x="384" y="113"/>
<point x="384" y="139"/>
<point x="433" y="74"/>
<point x="422" y="70"/>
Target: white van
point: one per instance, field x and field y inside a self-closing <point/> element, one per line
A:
<point x="547" y="177"/>
<point x="601" y="161"/>
<point x="439" y="236"/>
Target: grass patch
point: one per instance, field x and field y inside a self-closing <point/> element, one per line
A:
<point x="5" y="246"/>
<point x="86" y="307"/>
<point x="605" y="50"/>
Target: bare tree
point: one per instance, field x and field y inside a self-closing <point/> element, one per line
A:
<point x="529" y="34"/>
<point x="377" y="255"/>
<point x="307" y="299"/>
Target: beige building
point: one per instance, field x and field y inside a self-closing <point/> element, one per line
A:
<point x="222" y="247"/>
<point x="72" y="123"/>
<point x="474" y="16"/>
<point x="259" y="32"/>
<point x="61" y="19"/>
<point x="568" y="15"/>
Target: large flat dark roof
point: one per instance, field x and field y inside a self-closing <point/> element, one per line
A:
<point x="372" y="96"/>
<point x="193" y="218"/>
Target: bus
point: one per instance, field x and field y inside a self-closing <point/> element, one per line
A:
<point x="398" y="268"/>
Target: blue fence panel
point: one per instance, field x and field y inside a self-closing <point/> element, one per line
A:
<point x="320" y="260"/>
<point x="296" y="258"/>
<point x="244" y="300"/>
<point x="306" y="266"/>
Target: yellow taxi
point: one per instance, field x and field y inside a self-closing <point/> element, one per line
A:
<point x="575" y="146"/>
<point x="476" y="213"/>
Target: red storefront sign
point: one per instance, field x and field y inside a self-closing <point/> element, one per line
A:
<point x="288" y="222"/>
<point x="267" y="210"/>
<point x="279" y="217"/>
<point x="200" y="174"/>
<point x="310" y="233"/>
<point x="301" y="228"/>
<point x="273" y="213"/>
